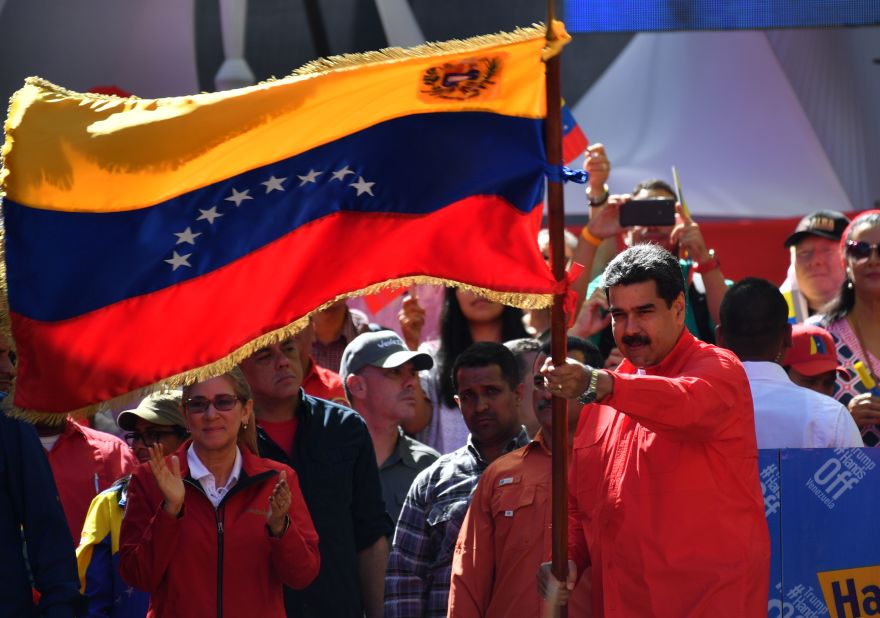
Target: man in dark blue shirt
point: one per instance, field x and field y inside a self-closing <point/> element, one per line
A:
<point x="32" y="522"/>
<point x="330" y="449"/>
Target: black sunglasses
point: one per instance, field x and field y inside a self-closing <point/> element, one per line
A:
<point x="199" y="405"/>
<point x="149" y="437"/>
<point x="860" y="250"/>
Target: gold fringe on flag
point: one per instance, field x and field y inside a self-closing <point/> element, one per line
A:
<point x="514" y="299"/>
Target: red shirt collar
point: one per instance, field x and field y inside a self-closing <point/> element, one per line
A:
<point x="680" y="351"/>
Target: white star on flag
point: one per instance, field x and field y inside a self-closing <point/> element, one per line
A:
<point x="274" y="184"/>
<point x="362" y="186"/>
<point x="209" y="215"/>
<point x="312" y="176"/>
<point x="237" y="198"/>
<point x="186" y="236"/>
<point x="341" y="174"/>
<point x="179" y="260"/>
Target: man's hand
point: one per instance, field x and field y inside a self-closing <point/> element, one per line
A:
<point x="554" y="591"/>
<point x="572" y="379"/>
<point x="593" y="316"/>
<point x="615" y="357"/>
<point x="596" y="163"/>
<point x="412" y="320"/>
<point x="568" y="380"/>
<point x="865" y="409"/>
<point x="688" y="236"/>
<point x="605" y="220"/>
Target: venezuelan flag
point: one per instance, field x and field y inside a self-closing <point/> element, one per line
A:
<point x="151" y="241"/>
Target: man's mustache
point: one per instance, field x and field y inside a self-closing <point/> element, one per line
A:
<point x="636" y="340"/>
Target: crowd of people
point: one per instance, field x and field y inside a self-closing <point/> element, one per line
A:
<point x="368" y="468"/>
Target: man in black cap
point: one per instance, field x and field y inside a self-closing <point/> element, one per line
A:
<point x="379" y="374"/>
<point x="816" y="271"/>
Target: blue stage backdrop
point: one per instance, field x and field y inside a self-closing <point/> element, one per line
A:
<point x="653" y="15"/>
<point x="822" y="507"/>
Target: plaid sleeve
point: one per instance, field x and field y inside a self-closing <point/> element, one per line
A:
<point x="411" y="555"/>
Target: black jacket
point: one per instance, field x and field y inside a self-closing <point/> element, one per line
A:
<point x="334" y="459"/>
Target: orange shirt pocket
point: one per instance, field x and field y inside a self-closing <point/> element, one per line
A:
<point x="518" y="515"/>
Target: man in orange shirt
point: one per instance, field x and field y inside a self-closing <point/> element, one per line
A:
<point x="664" y="498"/>
<point x="506" y="532"/>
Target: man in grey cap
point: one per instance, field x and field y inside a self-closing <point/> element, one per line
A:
<point x="816" y="271"/>
<point x="379" y="374"/>
<point x="156" y="420"/>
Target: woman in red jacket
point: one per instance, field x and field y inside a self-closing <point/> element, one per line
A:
<point x="214" y="528"/>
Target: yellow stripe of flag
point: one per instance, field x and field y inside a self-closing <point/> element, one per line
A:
<point x="91" y="153"/>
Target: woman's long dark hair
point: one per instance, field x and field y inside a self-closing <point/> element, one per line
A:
<point x="455" y="337"/>
<point x="845" y="300"/>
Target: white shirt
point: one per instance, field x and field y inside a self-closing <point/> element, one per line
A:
<point x="199" y="472"/>
<point x="791" y="416"/>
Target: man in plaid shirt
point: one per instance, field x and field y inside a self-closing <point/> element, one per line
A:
<point x="488" y="392"/>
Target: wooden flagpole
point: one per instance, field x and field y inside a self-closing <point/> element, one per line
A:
<point x="556" y="222"/>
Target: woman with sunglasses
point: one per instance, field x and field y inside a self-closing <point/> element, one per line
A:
<point x="156" y="420"/>
<point x="214" y="529"/>
<point x="853" y="318"/>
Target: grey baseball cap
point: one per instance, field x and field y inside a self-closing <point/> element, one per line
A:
<point x="161" y="408"/>
<point x="383" y="349"/>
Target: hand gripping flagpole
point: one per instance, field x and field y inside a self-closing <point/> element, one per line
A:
<point x="556" y="219"/>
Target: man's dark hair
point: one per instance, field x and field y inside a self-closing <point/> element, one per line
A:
<point x="654" y="184"/>
<point x="485" y="354"/>
<point x="521" y="348"/>
<point x="646" y="262"/>
<point x="754" y="319"/>
<point x="455" y="336"/>
<point x="592" y="355"/>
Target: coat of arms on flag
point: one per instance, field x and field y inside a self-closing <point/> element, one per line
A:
<point x="159" y="241"/>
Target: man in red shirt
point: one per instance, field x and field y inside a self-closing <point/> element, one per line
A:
<point x="664" y="497"/>
<point x="317" y="381"/>
<point x="84" y="462"/>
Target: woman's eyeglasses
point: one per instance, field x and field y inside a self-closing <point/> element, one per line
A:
<point x="860" y="250"/>
<point x="199" y="405"/>
<point x="148" y="438"/>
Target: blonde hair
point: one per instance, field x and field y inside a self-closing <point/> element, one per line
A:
<point x="247" y="435"/>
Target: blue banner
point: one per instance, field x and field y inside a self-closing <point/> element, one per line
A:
<point x="822" y="509"/>
<point x="654" y="15"/>
<point x="768" y="465"/>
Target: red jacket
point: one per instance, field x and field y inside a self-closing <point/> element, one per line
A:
<point x="211" y="562"/>
<point x="664" y="496"/>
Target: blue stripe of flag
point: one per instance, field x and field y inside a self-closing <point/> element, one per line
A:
<point x="61" y="265"/>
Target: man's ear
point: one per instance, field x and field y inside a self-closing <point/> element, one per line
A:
<point x="680" y="307"/>
<point x="357" y="386"/>
<point x="786" y="338"/>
